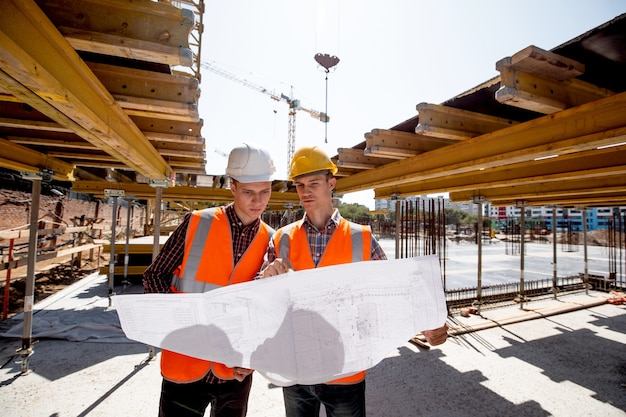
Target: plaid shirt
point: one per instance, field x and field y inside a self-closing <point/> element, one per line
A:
<point x="158" y="276"/>
<point x="318" y="240"/>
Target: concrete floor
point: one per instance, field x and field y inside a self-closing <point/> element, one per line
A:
<point x="563" y="357"/>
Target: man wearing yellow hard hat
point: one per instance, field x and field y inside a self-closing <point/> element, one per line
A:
<point x="212" y="248"/>
<point x="322" y="238"/>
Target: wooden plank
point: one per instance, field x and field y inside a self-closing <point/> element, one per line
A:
<point x="52" y="143"/>
<point x="597" y="124"/>
<point x="398" y="145"/>
<point x="157" y="22"/>
<point x="573" y="200"/>
<point x="200" y="194"/>
<point x="123" y="47"/>
<point x="36" y="58"/>
<point x="119" y="270"/>
<point x="534" y="60"/>
<point x="356" y="159"/>
<point x="164" y="147"/>
<point x="579" y="187"/>
<point x="451" y="123"/>
<point x="133" y="248"/>
<point x="46" y="256"/>
<point x="33" y="124"/>
<point x="596" y="164"/>
<point x="147" y="84"/>
<point x="149" y="124"/>
<point x="170" y="110"/>
<point x="176" y="153"/>
<point x="16" y="234"/>
<point x="12" y="154"/>
<point x="388" y="152"/>
<point x="69" y="251"/>
<point x="532" y="92"/>
<point x="167" y="137"/>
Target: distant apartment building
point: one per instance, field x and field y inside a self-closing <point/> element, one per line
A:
<point x="566" y="218"/>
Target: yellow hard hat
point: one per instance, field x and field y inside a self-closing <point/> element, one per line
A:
<point x="308" y="160"/>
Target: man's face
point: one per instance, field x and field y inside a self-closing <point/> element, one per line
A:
<point x="315" y="191"/>
<point x="251" y="198"/>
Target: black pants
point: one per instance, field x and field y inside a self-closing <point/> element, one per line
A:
<point x="228" y="399"/>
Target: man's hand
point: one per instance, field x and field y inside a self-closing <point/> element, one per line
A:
<point x="277" y="267"/>
<point x="437" y="336"/>
<point x="241" y="373"/>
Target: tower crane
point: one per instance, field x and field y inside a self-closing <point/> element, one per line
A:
<point x="294" y="105"/>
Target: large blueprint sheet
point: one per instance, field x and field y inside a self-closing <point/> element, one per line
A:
<point x="302" y="327"/>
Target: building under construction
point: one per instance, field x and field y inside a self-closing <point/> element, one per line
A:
<point x="99" y="103"/>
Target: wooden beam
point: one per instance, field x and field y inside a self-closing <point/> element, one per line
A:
<point x="398" y="145"/>
<point x="52" y="143"/>
<point x="543" y="82"/>
<point x="170" y="110"/>
<point x="24" y="233"/>
<point x="50" y="255"/>
<point x="615" y="185"/>
<point x="184" y="149"/>
<point x="596" y="200"/>
<point x="451" y="123"/>
<point x="43" y="70"/>
<point x="21" y="158"/>
<point x="198" y="170"/>
<point x="356" y="159"/>
<point x="167" y="137"/>
<point x="147" y="84"/>
<point x="156" y="125"/>
<point x="179" y="153"/>
<point x="125" y="47"/>
<point x="145" y="191"/>
<point x="32" y="124"/>
<point x="590" y="164"/>
<point x="586" y="127"/>
<point x="388" y="152"/>
<point x="139" y="29"/>
<point x="534" y="60"/>
<point x="532" y="92"/>
<point x="77" y="157"/>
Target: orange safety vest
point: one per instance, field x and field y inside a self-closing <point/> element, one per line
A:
<point x="350" y="242"/>
<point x="207" y="264"/>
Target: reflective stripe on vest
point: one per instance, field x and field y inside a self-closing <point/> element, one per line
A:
<point x="207" y="264"/>
<point x="194" y="247"/>
<point x="350" y="242"/>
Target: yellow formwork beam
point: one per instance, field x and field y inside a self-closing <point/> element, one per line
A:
<point x="21" y="158"/>
<point x="49" y="75"/>
<point x="180" y="193"/>
<point x="583" y="128"/>
<point x="597" y="164"/>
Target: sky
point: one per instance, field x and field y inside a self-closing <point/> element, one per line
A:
<point x="393" y="55"/>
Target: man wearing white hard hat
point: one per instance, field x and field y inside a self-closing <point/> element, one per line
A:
<point x="211" y="248"/>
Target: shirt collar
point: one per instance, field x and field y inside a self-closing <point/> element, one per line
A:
<point x="334" y="220"/>
<point x="234" y="220"/>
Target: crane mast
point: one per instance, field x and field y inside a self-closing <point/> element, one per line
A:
<point x="294" y="105"/>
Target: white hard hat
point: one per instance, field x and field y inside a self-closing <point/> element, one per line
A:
<point x="250" y="163"/>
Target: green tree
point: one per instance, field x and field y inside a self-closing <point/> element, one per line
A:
<point x="354" y="212"/>
<point x="454" y="216"/>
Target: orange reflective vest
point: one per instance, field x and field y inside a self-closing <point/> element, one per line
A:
<point x="207" y="264"/>
<point x="350" y="242"/>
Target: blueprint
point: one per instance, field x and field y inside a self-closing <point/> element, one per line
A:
<point x="302" y="327"/>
